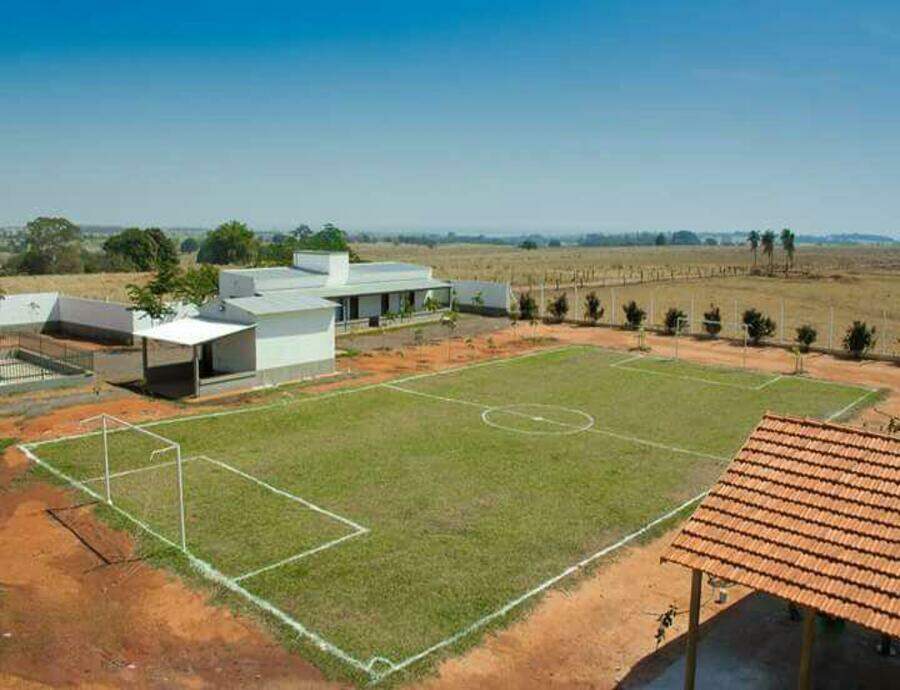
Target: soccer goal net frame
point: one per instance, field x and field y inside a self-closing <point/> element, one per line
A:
<point x="109" y="425"/>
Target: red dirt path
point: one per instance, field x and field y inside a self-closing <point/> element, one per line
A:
<point x="64" y="621"/>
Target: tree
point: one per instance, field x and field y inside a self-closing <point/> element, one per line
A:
<point x="685" y="237"/>
<point x="559" y="307"/>
<point x="197" y="285"/>
<point x="528" y="245"/>
<point x="753" y="241"/>
<point x="634" y="315"/>
<point x="787" y="243"/>
<point x="301" y="232"/>
<point x="712" y="320"/>
<point x="478" y="300"/>
<point x="151" y="298"/>
<point x="554" y="243"/>
<point x="673" y="320"/>
<point x="52" y="245"/>
<point x="448" y="321"/>
<point x="431" y="304"/>
<point x="758" y="325"/>
<point x="143" y="250"/>
<point x="768" y="246"/>
<point x="660" y="240"/>
<point x="711" y="242"/>
<point x="189" y="245"/>
<point x="592" y="308"/>
<point x="230" y="243"/>
<point x="527" y="307"/>
<point x="806" y="336"/>
<point x="859" y="339"/>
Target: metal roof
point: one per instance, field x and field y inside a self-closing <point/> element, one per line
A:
<point x="374" y="288"/>
<point x="191" y="331"/>
<point x="808" y="511"/>
<point x="281" y="302"/>
<point x="291" y="277"/>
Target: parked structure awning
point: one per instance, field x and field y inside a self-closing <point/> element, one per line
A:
<point x="192" y="331"/>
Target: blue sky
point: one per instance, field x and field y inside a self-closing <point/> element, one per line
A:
<point x="596" y="116"/>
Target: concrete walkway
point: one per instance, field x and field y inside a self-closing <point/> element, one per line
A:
<point x="754" y="645"/>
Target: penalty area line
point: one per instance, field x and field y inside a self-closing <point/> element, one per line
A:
<point x="211" y="573"/>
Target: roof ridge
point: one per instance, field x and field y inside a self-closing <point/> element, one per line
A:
<point x="768" y="414"/>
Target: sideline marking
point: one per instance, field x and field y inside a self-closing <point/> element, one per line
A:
<point x="593" y="429"/>
<point x="849" y="407"/>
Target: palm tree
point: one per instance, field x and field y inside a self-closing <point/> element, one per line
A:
<point x="768" y="246"/>
<point x="787" y="243"/>
<point x="753" y="240"/>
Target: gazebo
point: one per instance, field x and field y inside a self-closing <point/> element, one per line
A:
<point x="808" y="511"/>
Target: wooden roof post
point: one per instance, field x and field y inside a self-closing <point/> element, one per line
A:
<point x="196" y="372"/>
<point x="690" y="659"/>
<point x="809" y="630"/>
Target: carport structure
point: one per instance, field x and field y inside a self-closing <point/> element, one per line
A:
<point x="807" y="511"/>
<point x="210" y="344"/>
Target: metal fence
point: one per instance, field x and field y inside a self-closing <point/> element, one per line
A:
<point x="829" y="320"/>
<point x="31" y="356"/>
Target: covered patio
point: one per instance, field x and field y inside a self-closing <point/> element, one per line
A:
<point x="808" y="512"/>
<point x="197" y="356"/>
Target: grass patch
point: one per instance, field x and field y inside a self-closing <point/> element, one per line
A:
<point x="463" y="516"/>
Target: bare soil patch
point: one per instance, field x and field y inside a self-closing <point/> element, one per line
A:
<point x="73" y="623"/>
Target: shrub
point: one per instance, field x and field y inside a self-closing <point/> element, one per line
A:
<point x="592" y="308"/>
<point x="673" y="319"/>
<point x="758" y="325"/>
<point x="806" y="336"/>
<point x="634" y="315"/>
<point x="527" y="307"/>
<point x="859" y="339"/>
<point x="712" y="320"/>
<point x="559" y="307"/>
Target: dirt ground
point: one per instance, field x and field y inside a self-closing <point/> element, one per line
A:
<point x="69" y="619"/>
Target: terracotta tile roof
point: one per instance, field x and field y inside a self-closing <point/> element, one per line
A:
<point x="808" y="511"/>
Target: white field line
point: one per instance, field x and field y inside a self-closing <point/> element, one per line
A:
<point x="281" y="492"/>
<point x="211" y="573"/>
<point x="683" y="377"/>
<point x="546" y="584"/>
<point x="125" y="473"/>
<point x="593" y="429"/>
<point x="853" y="404"/>
<point x="323" y="396"/>
<point x="301" y="556"/>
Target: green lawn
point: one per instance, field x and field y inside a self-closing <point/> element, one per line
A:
<point x="447" y="496"/>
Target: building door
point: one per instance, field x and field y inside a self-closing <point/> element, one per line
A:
<point x="354" y="308"/>
<point x="385" y="303"/>
<point x="206" y="360"/>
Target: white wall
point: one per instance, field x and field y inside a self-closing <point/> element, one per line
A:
<point x="233" y="284"/>
<point x="29" y="308"/>
<point x="336" y="265"/>
<point x="93" y="313"/>
<point x="235" y="353"/>
<point x="495" y="295"/>
<point x="294" y="338"/>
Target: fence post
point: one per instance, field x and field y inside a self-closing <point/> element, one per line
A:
<point x="884" y="333"/>
<point x="782" y="322"/>
<point x="831" y="328"/>
<point x="612" y="313"/>
<point x="541" y="306"/>
<point x="576" y="302"/>
<point x="735" y="319"/>
<point x="652" y="305"/>
<point x="691" y="318"/>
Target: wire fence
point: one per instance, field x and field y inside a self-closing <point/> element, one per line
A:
<point x="31" y="356"/>
<point x="830" y="321"/>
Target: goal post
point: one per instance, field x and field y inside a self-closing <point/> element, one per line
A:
<point x="141" y="457"/>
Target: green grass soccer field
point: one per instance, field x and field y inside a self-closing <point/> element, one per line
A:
<point x="389" y="522"/>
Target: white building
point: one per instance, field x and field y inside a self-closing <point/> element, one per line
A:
<point x="362" y="292"/>
<point x="271" y="325"/>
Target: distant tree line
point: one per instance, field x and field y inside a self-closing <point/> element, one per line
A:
<point x="50" y="245"/>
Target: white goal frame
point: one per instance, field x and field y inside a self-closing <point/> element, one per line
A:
<point x="171" y="445"/>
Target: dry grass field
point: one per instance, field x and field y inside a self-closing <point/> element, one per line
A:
<point x="829" y="288"/>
